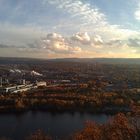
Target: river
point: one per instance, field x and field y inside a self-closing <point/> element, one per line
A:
<point x="17" y="126"/>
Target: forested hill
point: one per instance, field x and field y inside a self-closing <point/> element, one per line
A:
<point x="8" y="60"/>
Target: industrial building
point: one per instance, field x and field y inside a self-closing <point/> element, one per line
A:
<point x="16" y="89"/>
<point x="22" y="86"/>
<point x="42" y="83"/>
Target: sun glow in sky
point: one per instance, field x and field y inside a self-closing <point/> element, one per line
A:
<point x="70" y="28"/>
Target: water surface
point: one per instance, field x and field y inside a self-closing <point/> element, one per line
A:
<point x="56" y="124"/>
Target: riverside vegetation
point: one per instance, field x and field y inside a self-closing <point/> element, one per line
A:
<point x="83" y="99"/>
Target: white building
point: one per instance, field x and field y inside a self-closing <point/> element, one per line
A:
<point x="40" y="84"/>
<point x="15" y="89"/>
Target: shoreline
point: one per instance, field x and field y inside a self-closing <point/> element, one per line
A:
<point x="71" y="111"/>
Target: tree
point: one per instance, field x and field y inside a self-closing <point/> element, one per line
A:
<point x="39" y="135"/>
<point x="119" y="128"/>
<point x="91" y="131"/>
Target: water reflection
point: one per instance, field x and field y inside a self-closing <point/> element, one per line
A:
<point x="56" y="124"/>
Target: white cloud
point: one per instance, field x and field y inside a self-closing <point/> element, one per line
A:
<point x="81" y="10"/>
<point x="137" y="15"/>
<point x="81" y="37"/>
<point x="58" y="44"/>
<point x="98" y="40"/>
<point x="88" y="18"/>
<point x="92" y="31"/>
<point x="77" y="44"/>
<point x="137" y="12"/>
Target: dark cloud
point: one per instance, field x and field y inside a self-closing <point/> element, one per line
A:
<point x="135" y="42"/>
<point x="10" y="46"/>
<point x="6" y="46"/>
<point x="115" y="42"/>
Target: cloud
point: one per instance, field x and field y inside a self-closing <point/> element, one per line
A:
<point x="81" y="29"/>
<point x="89" y="18"/>
<point x="51" y="43"/>
<point x="114" y="42"/>
<point x="130" y="47"/>
<point x="58" y="44"/>
<point x="81" y="37"/>
<point x="137" y="12"/>
<point x="79" y="9"/>
<point x="10" y="46"/>
<point x="134" y="42"/>
<point x="5" y="46"/>
<point x="97" y="40"/>
<point x="85" y="39"/>
<point x="137" y="15"/>
<point x="78" y="43"/>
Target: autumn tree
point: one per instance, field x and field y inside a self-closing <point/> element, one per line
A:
<point x="119" y="128"/>
<point x="39" y="135"/>
<point x="91" y="131"/>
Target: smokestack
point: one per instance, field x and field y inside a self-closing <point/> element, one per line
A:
<point x="0" y="81"/>
<point x="23" y="82"/>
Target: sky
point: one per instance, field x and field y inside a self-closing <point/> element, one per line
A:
<point x="70" y="28"/>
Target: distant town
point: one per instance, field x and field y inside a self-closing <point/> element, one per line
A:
<point x="24" y="75"/>
<point x="86" y="85"/>
<point x="91" y="86"/>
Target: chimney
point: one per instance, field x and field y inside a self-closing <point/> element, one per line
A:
<point x="0" y="81"/>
